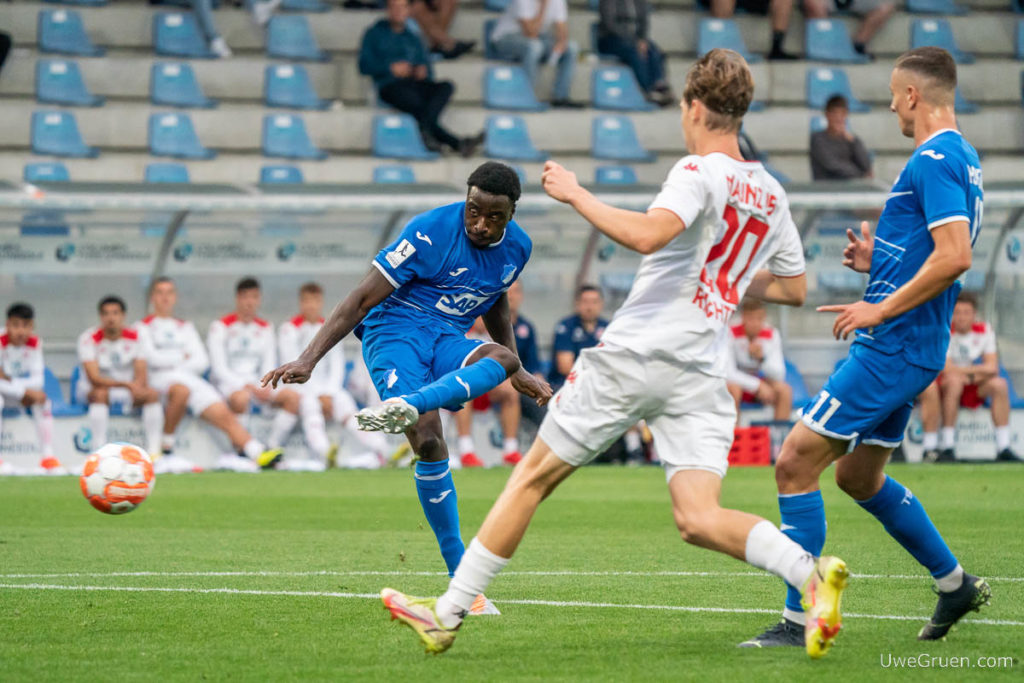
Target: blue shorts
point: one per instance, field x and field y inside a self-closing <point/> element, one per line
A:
<point x="868" y="398"/>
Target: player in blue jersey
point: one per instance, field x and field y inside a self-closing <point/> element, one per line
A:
<point x="901" y="328"/>
<point x="412" y="311"/>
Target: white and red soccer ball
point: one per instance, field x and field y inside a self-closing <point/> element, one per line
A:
<point x="117" y="478"/>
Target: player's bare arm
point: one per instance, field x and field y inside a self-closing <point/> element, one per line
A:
<point x="986" y="370"/>
<point x="950" y="259"/>
<point x="97" y="379"/>
<point x="642" y="232"/>
<point x="372" y="290"/>
<point x="788" y="291"/>
<point x="498" y="321"/>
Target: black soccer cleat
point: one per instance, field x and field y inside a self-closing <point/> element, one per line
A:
<point x="972" y="594"/>
<point x="1007" y="455"/>
<point x="786" y="633"/>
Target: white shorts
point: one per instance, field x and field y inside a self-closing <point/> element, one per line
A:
<point x="690" y="414"/>
<point x="201" y="394"/>
<point x="115" y="395"/>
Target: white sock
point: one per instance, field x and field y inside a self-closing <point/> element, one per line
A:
<point x="315" y="428"/>
<point x="153" y="425"/>
<point x="948" y="437"/>
<point x="375" y="441"/>
<point x="511" y="446"/>
<point x="930" y="441"/>
<point x="1002" y="438"/>
<point x="99" y="416"/>
<point x="167" y="442"/>
<point x="42" y="415"/>
<point x="253" y="449"/>
<point x="771" y="550"/>
<point x="632" y="440"/>
<point x="951" y="581"/>
<point x="475" y="572"/>
<point x="794" y="616"/>
<point x="284" y="422"/>
<point x="466" y="445"/>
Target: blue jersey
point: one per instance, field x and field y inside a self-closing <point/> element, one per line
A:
<point x="940" y="184"/>
<point x="441" y="277"/>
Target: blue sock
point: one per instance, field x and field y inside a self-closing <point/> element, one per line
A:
<point x="803" y="520"/>
<point x="458" y="386"/>
<point x="437" y="496"/>
<point x="904" y="518"/>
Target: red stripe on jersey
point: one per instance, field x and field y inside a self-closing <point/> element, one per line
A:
<point x="980" y="328"/>
<point x="129" y="333"/>
<point x="737" y="331"/>
<point x="297" y="321"/>
<point x="33" y="342"/>
<point x="766" y="333"/>
<point x="97" y="336"/>
<point x="261" y="322"/>
<point x="148" y="319"/>
<point x="230" y="319"/>
<point x="4" y="340"/>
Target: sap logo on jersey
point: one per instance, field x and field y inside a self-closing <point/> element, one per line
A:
<point x="402" y="252"/>
<point x="459" y="304"/>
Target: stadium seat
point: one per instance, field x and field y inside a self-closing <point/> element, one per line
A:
<point x="56" y="132"/>
<point x="59" y="407"/>
<point x="614" y="137"/>
<point x="281" y="174"/>
<point x="46" y="172"/>
<point x="615" y="87"/>
<point x="1016" y="401"/>
<point x="61" y="31"/>
<point x="507" y="87"/>
<point x="796" y="381"/>
<point x="939" y="33"/>
<point x="174" y="84"/>
<point x="935" y="7"/>
<point x="1019" y="43"/>
<point x="495" y="5"/>
<point x="172" y="135"/>
<point x="288" y="85"/>
<point x="712" y="33"/>
<point x="176" y="34"/>
<point x="615" y="175"/>
<point x="394" y="173"/>
<point x="818" y="124"/>
<point x="397" y="136"/>
<point x="284" y="135"/>
<point x="305" y="6"/>
<point x="509" y="138"/>
<point x="823" y="83"/>
<point x="289" y="37"/>
<point x="166" y="173"/>
<point x="58" y="81"/>
<point x="828" y="40"/>
<point x="964" y="106"/>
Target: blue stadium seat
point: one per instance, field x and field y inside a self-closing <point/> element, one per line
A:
<point x="939" y="33"/>
<point x="507" y="87"/>
<point x="1016" y="402"/>
<point x="397" y="136"/>
<point x="288" y="85"/>
<point x="282" y="174"/>
<point x="289" y="37"/>
<point x="964" y="106"/>
<point x="796" y="381"/>
<point x="615" y="175"/>
<point x="615" y="87"/>
<point x="174" y="84"/>
<point x="176" y="34"/>
<point x="394" y="173"/>
<point x="495" y="5"/>
<point x="818" y="124"/>
<point x="827" y="40"/>
<point x="935" y="7"/>
<point x="46" y="172"/>
<point x="284" y="135"/>
<point x="823" y="83"/>
<point x="1019" y="43"/>
<point x="61" y="31"/>
<point x="59" y="407"/>
<point x="305" y="6"/>
<point x="172" y="135"/>
<point x="58" y="81"/>
<point x="56" y="132"/>
<point x="614" y="137"/>
<point x="712" y="33"/>
<point x="166" y="173"/>
<point x="509" y="138"/>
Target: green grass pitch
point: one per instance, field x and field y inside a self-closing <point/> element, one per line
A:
<point x="264" y="578"/>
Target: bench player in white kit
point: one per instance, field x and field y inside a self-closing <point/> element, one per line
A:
<point x="720" y="228"/>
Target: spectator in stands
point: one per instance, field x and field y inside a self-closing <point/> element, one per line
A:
<point x="623" y="31"/>
<point x="114" y="373"/>
<point x="757" y="372"/>
<point x="434" y="18"/>
<point x="971" y="377"/>
<point x="780" y="10"/>
<point x="261" y="11"/>
<point x="397" y="61"/>
<point x="875" y="14"/>
<point x="534" y="32"/>
<point x="836" y="153"/>
<point x="579" y="331"/>
<point x="526" y="345"/>
<point x="23" y="376"/>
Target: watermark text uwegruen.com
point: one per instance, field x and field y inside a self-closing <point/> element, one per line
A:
<point x="888" y="660"/>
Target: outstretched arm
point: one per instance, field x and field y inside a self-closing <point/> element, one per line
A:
<point x="498" y="321"/>
<point x="373" y="289"/>
<point x="775" y="289"/>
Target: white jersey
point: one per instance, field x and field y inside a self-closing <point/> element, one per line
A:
<point x="737" y="222"/>
<point x="746" y="369"/>
<point x="294" y="336"/>
<point x="22" y="365"/>
<point x="170" y="345"/>
<point x="115" y="357"/>
<point x="967" y="349"/>
<point x="240" y="352"/>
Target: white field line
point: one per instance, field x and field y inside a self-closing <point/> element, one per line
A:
<point x="544" y="603"/>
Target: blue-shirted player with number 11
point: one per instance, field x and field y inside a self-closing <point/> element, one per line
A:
<point x="901" y="332"/>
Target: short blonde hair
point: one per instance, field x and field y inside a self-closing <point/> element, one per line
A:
<point x="722" y="81"/>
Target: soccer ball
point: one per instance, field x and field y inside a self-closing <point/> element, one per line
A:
<point x="117" y="478"/>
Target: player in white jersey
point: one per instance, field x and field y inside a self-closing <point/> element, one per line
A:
<point x="22" y="376"/>
<point x="323" y="396"/>
<point x="720" y="227"/>
<point x="114" y="372"/>
<point x="177" y="360"/>
<point x="757" y="372"/>
<point x="242" y="350"/>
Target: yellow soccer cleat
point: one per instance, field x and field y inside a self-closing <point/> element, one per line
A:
<point x="822" y="595"/>
<point x="269" y="458"/>
<point x="419" y="615"/>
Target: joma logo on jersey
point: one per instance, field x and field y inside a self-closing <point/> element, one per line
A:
<point x="460" y="304"/>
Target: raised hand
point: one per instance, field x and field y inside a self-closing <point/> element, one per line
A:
<point x="857" y="254"/>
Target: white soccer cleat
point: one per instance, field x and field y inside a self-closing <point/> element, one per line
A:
<point x="393" y="416"/>
<point x="232" y="462"/>
<point x="483" y="607"/>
